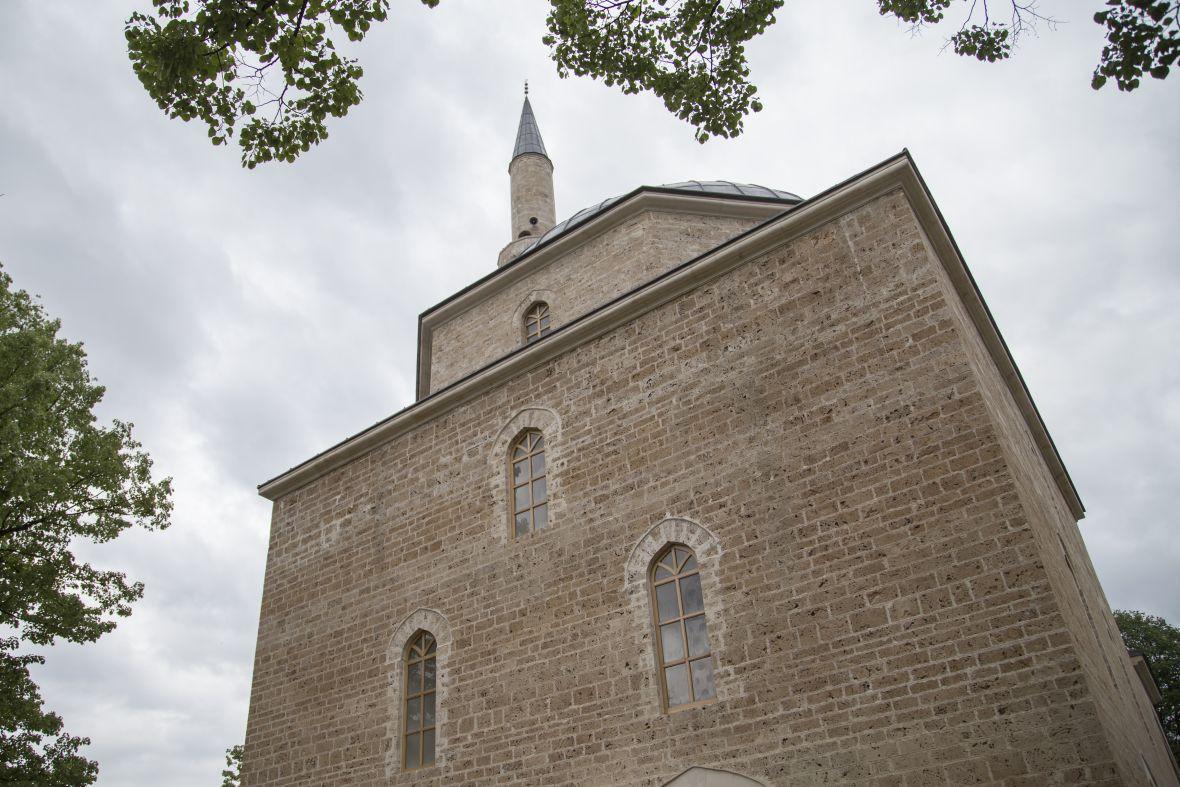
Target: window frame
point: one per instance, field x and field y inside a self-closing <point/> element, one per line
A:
<point x="511" y="459"/>
<point x="543" y="320"/>
<point x="429" y="653"/>
<point x="657" y="636"/>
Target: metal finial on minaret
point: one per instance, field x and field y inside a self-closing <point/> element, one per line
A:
<point x="526" y="88"/>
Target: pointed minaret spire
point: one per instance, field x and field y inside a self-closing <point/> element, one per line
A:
<point x="531" y="173"/>
<point x="528" y="135"/>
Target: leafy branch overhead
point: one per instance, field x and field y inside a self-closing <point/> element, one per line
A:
<point x="268" y="71"/>
<point x="213" y="60"/>
<point x="690" y="53"/>
<point x="1142" y="37"/>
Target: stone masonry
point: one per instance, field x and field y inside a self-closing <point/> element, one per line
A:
<point x="896" y="589"/>
<point x="606" y="266"/>
<point x="532" y="194"/>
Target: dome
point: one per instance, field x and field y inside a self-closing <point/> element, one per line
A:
<point x="722" y="188"/>
<point x="733" y="189"/>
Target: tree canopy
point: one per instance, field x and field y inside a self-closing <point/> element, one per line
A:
<point x="26" y="757"/>
<point x="64" y="479"/>
<point x="269" y="70"/>
<point x="1159" y="642"/>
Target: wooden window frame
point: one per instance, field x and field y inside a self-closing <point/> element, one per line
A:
<point x="416" y="654"/>
<point x="537" y="322"/>
<point x="524" y="441"/>
<point x="661" y="666"/>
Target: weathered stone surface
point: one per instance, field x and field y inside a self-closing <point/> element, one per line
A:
<point x="880" y="546"/>
<point x="613" y="263"/>
<point x="531" y="179"/>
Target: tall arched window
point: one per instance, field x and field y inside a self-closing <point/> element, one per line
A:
<point x="530" y="493"/>
<point x="536" y="322"/>
<point x="686" y="662"/>
<point x="418" y="735"/>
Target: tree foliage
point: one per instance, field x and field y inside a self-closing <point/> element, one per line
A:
<point x="1159" y="641"/>
<point x="231" y="776"/>
<point x="1142" y="37"/>
<point x="690" y="53"/>
<point x="211" y="59"/>
<point x="64" y="478"/>
<point x="26" y="757"/>
<point x="269" y="70"/>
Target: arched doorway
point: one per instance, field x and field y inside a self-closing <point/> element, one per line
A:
<point x="711" y="777"/>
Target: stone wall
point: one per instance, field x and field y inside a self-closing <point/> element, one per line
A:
<point x="610" y="264"/>
<point x="880" y="605"/>
<point x="531" y="179"/>
<point x="1126" y="713"/>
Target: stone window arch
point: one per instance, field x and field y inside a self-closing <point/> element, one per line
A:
<point x="642" y="602"/>
<point x="520" y="317"/>
<point x="501" y="481"/>
<point x="423" y="635"/>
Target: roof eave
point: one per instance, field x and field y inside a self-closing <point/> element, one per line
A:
<point x="900" y="171"/>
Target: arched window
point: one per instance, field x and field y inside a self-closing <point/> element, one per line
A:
<point x="536" y="322"/>
<point x="686" y="662"/>
<point x="418" y="735"/>
<point x="530" y="494"/>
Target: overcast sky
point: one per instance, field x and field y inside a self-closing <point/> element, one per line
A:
<point x="245" y="320"/>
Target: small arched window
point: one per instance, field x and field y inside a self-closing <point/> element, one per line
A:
<point x="530" y="493"/>
<point x="419" y="733"/>
<point x="682" y="638"/>
<point x="536" y="322"/>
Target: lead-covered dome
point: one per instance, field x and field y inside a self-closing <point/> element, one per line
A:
<point x="734" y="189"/>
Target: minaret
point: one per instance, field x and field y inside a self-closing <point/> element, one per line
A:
<point x="531" y="173"/>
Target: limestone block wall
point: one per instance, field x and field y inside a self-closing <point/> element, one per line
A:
<point x="880" y="605"/>
<point x="1126" y="713"/>
<point x="620" y="259"/>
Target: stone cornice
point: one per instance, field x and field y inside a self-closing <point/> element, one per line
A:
<point x="897" y="172"/>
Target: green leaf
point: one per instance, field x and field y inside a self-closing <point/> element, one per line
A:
<point x="268" y="68"/>
<point x="271" y="70"/>
<point x="33" y="748"/>
<point x="1141" y="38"/>
<point x="65" y="479"/>
<point x="1159" y="642"/>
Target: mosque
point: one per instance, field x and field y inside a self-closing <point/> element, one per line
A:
<point x="706" y="484"/>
